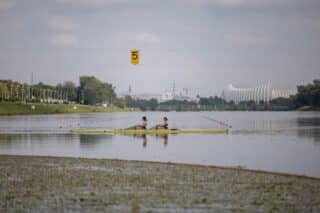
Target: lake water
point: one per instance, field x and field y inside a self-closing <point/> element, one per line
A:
<point x="275" y="141"/>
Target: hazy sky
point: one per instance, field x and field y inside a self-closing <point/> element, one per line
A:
<point x="203" y="44"/>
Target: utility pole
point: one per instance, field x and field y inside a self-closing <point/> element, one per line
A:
<point x="31" y="78"/>
<point x="11" y="91"/>
<point x="130" y="90"/>
<point x="22" y="92"/>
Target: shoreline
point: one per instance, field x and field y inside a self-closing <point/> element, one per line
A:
<point x="20" y="108"/>
<point x="41" y="183"/>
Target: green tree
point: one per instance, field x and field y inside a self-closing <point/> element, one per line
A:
<point x="309" y="95"/>
<point x="92" y="91"/>
<point x="120" y="102"/>
<point x="3" y="90"/>
<point x="69" y="90"/>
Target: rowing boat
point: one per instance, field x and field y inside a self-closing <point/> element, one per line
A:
<point x="148" y="131"/>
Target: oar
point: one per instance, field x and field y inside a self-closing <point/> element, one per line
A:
<point x="219" y="122"/>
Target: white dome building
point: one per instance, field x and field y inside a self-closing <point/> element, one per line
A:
<point x="256" y="94"/>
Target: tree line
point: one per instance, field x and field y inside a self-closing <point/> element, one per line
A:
<point x="309" y="95"/>
<point x="91" y="91"/>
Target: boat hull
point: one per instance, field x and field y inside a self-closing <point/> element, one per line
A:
<point x="148" y="131"/>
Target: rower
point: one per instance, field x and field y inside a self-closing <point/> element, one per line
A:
<point x="165" y="124"/>
<point x="142" y="126"/>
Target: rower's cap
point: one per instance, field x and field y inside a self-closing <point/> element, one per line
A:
<point x="144" y="118"/>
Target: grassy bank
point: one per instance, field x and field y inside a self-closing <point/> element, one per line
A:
<point x="17" y="108"/>
<point x="77" y="184"/>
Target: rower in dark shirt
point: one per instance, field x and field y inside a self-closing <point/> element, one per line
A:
<point x="142" y="126"/>
<point x="165" y="124"/>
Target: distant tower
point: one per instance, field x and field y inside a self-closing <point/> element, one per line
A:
<point x="173" y="87"/>
<point x="130" y="91"/>
<point x="223" y="96"/>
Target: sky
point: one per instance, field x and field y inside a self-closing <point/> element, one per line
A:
<point x="202" y="45"/>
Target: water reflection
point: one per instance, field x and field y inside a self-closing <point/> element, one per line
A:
<point x="308" y="121"/>
<point x="302" y="125"/>
<point x="92" y="140"/>
<point x="310" y="133"/>
<point x="144" y="138"/>
<point x="38" y="144"/>
<point x="15" y="138"/>
<point x="308" y="127"/>
<point x="165" y="139"/>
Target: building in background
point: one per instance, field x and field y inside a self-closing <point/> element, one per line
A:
<point x="148" y="96"/>
<point x="257" y="94"/>
<point x="283" y="93"/>
<point x="163" y="97"/>
<point x="166" y="96"/>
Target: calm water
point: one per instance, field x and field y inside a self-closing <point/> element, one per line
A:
<point x="275" y="141"/>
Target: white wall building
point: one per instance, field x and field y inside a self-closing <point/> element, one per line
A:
<point x="256" y="94"/>
<point x="284" y="93"/>
<point x="166" y="96"/>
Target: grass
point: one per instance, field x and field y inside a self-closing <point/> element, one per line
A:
<point x="18" y="108"/>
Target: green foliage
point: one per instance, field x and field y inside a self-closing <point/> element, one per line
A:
<point x="279" y="103"/>
<point x="178" y="105"/>
<point x="120" y="102"/>
<point x="15" y="91"/>
<point x="92" y="91"/>
<point x="309" y="95"/>
<point x="3" y="90"/>
<point x="17" y="108"/>
<point x="71" y="90"/>
<point x="141" y="104"/>
<point x="212" y="101"/>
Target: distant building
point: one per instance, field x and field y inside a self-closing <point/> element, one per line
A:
<point x="258" y="93"/>
<point x="283" y="93"/>
<point x="166" y="96"/>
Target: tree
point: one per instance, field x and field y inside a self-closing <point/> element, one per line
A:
<point x="69" y="90"/>
<point x="309" y="94"/>
<point x="151" y="104"/>
<point x="120" y="102"/>
<point x="3" y="90"/>
<point x="92" y="91"/>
